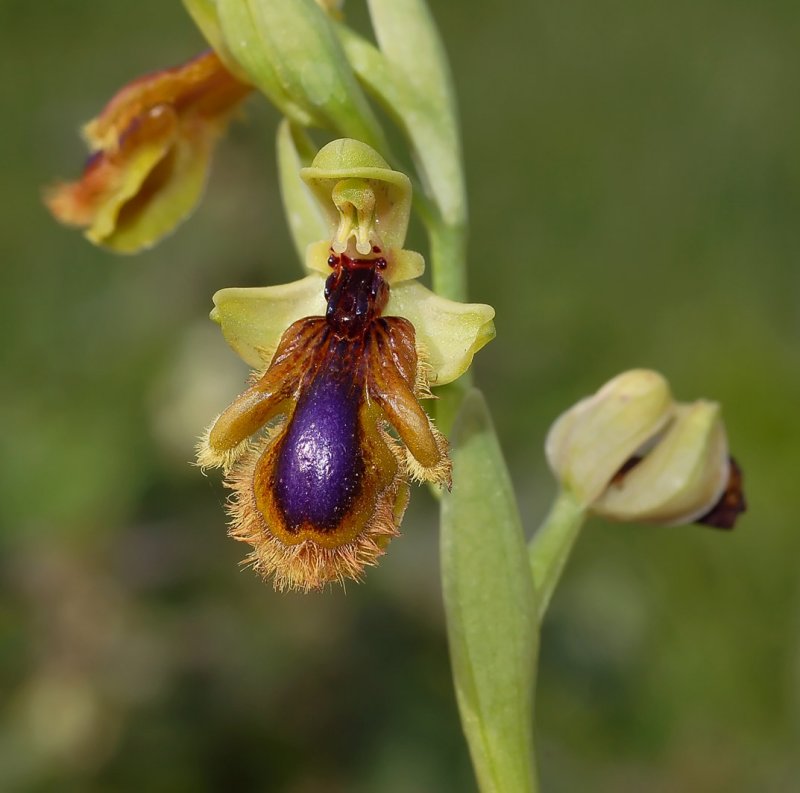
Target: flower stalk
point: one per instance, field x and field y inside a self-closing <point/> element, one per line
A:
<point x="550" y="547"/>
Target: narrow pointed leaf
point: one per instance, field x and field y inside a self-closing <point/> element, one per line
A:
<point x="490" y="605"/>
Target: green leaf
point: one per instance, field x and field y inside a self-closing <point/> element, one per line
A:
<point x="307" y="223"/>
<point x="490" y="606"/>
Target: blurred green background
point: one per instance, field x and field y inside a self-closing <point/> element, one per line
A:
<point x="634" y="176"/>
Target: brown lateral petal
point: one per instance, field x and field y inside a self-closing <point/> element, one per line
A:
<point x="392" y="376"/>
<point x="265" y="399"/>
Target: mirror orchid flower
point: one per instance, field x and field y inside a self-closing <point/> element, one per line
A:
<point x="151" y="149"/>
<point x="320" y="449"/>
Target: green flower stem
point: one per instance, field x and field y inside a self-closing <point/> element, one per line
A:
<point x="449" y="279"/>
<point x="448" y="258"/>
<point x="552" y="544"/>
<point x="448" y="402"/>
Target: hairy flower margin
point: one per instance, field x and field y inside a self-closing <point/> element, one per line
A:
<point x="320" y="449"/>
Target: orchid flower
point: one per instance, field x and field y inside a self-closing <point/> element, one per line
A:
<point x="320" y="449"/>
<point x="151" y="149"/>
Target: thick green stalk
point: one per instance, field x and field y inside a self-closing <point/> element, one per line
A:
<point x="449" y="279"/>
<point x="448" y="259"/>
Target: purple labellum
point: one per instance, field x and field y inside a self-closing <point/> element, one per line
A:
<point x="320" y="466"/>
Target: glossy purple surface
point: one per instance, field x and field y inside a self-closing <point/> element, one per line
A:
<point x="319" y="466"/>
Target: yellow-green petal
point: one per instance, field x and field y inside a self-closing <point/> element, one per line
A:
<point x="253" y="319"/>
<point x="590" y="442"/>
<point x="681" y="478"/>
<point x="449" y="333"/>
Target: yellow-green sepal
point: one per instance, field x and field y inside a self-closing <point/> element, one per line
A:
<point x="449" y="333"/>
<point x="254" y="319"/>
<point x="681" y="478"/>
<point x="351" y="161"/>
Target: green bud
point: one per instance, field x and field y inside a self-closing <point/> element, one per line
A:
<point x="290" y="52"/>
<point x="206" y="17"/>
<point x="588" y="444"/>
<point x="631" y="453"/>
<point x="680" y="479"/>
<point x="418" y="88"/>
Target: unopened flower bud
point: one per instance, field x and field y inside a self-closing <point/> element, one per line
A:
<point x="631" y="453"/>
<point x="680" y="479"/>
<point x="588" y="444"/>
<point x="289" y="50"/>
